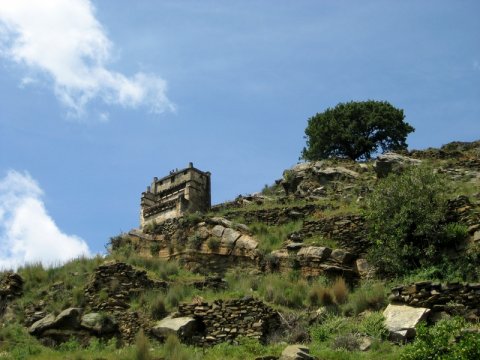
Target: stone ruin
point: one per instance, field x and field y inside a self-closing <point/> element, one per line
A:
<point x="182" y="191"/>
<point x="223" y="320"/>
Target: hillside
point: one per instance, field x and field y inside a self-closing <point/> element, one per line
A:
<point x="339" y="256"/>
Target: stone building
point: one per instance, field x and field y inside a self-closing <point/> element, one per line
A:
<point x="182" y="191"/>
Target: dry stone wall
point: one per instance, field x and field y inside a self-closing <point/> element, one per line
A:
<point x="224" y="320"/>
<point x="276" y="216"/>
<point x="349" y="231"/>
<point x="453" y="298"/>
<point x="110" y="289"/>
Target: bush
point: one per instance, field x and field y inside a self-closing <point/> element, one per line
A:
<point x="347" y="342"/>
<point x="444" y="341"/>
<point x="213" y="243"/>
<point x="373" y="325"/>
<point x="155" y="248"/>
<point x="195" y="242"/>
<point x="405" y="214"/>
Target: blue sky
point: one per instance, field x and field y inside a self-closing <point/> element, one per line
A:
<point x="98" y="97"/>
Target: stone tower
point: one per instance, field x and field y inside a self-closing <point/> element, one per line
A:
<point x="182" y="191"/>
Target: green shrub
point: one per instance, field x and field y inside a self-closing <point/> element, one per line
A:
<point x="155" y="248"/>
<point x="439" y="342"/>
<point x="213" y="243"/>
<point x="195" y="242"/>
<point x="331" y="326"/>
<point x="373" y="325"/>
<point x="347" y="342"/>
<point x="405" y="214"/>
<point x="455" y="232"/>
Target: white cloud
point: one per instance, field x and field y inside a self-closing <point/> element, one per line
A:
<point x="63" y="40"/>
<point x="27" y="232"/>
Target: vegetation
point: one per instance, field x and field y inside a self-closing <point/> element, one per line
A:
<point x="409" y="233"/>
<point x="406" y="214"/>
<point x="445" y="340"/>
<point x="355" y="130"/>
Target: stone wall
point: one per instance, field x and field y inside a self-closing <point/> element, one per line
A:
<point x="110" y="289"/>
<point x="453" y="298"/>
<point x="113" y="284"/>
<point x="279" y="215"/>
<point x="224" y="320"/>
<point x="348" y="230"/>
<point x="312" y="261"/>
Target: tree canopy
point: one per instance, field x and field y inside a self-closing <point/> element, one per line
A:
<point x="355" y="130"/>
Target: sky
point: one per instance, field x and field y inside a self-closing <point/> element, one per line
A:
<point x="98" y="97"/>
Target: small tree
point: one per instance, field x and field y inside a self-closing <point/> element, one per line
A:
<point x="355" y="130"/>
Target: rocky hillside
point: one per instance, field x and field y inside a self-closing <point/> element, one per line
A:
<point x="286" y="273"/>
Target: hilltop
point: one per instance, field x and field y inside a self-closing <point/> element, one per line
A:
<point x="331" y="256"/>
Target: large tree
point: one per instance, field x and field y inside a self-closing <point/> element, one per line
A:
<point x="356" y="130"/>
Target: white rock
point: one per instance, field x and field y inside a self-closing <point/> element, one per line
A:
<point x="401" y="320"/>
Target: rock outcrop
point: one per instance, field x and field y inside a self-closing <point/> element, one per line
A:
<point x="392" y="163"/>
<point x="311" y="179"/>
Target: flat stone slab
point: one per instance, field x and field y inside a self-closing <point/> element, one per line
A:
<point x="183" y="327"/>
<point x="401" y="320"/>
<point x="296" y="352"/>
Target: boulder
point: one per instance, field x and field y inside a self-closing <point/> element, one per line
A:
<point x="218" y="230"/>
<point x="68" y="319"/>
<point x="392" y="162"/>
<point x="246" y="242"/>
<point x="42" y="324"/>
<point x="220" y="221"/>
<point x="401" y="320"/>
<point x="229" y="237"/>
<point x="99" y="324"/>
<point x="342" y="256"/>
<point x="296" y="352"/>
<point x="318" y="253"/>
<point x="183" y="327"/>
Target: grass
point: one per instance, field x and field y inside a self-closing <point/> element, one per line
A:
<point x="272" y="237"/>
